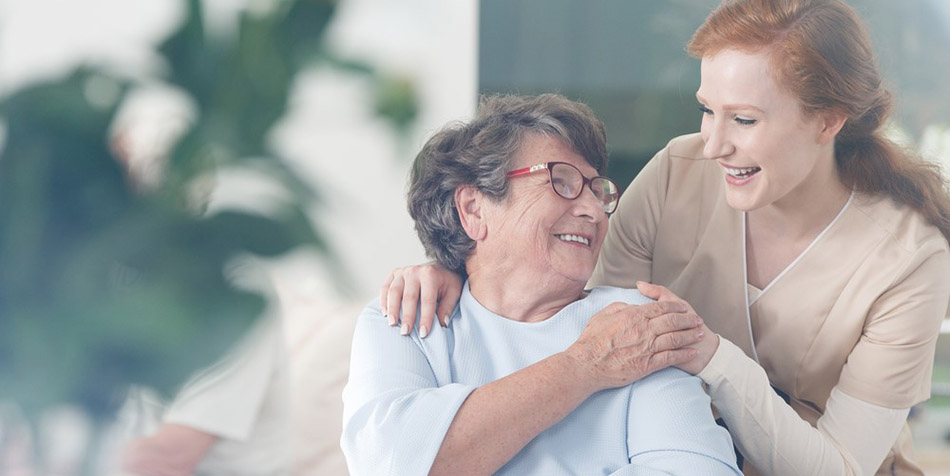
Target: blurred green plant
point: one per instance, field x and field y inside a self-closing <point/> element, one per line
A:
<point x="102" y="285"/>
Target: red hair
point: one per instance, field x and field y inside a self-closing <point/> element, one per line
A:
<point x="821" y="52"/>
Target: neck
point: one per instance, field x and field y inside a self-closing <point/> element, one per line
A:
<point x="807" y="210"/>
<point x="515" y="295"/>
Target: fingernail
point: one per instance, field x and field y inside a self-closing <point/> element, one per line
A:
<point x="700" y="334"/>
<point x="423" y="331"/>
<point x="448" y="317"/>
<point x="404" y="330"/>
<point x="391" y="320"/>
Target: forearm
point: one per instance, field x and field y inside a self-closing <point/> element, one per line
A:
<point x="174" y="450"/>
<point x="776" y="440"/>
<point x="500" y="418"/>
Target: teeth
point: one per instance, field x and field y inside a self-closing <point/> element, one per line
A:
<point x="579" y="239"/>
<point x="741" y="172"/>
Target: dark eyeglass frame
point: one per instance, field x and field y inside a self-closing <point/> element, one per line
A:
<point x="608" y="207"/>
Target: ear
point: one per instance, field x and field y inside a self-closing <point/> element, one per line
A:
<point x="468" y="203"/>
<point x="832" y="122"/>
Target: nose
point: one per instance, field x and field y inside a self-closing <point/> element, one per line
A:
<point x="716" y="139"/>
<point x="588" y="206"/>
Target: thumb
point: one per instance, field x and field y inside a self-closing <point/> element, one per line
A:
<point x="651" y="291"/>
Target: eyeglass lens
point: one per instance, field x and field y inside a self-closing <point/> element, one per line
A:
<point x="568" y="183"/>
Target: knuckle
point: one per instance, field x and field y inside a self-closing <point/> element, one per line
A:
<point x="677" y="340"/>
<point x="428" y="272"/>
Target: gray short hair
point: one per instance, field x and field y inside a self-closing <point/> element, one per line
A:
<point x="479" y="153"/>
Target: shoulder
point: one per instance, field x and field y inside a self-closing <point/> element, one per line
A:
<point x="372" y="313"/>
<point x="682" y="168"/>
<point x="900" y="227"/>
<point x="683" y="150"/>
<point x="611" y="294"/>
<point x="687" y="146"/>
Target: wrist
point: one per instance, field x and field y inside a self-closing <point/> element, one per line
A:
<point x="578" y="372"/>
<point x="706" y="350"/>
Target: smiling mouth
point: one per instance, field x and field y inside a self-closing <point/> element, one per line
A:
<point x="574" y="238"/>
<point x="742" y="173"/>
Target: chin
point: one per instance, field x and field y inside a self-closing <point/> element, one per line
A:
<point x="742" y="203"/>
<point x="577" y="275"/>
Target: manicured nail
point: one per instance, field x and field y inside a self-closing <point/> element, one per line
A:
<point x="391" y="320"/>
<point x="404" y="330"/>
<point x="423" y="331"/>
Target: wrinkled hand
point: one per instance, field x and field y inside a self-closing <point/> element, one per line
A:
<point x="705" y="347"/>
<point x="426" y="286"/>
<point x="624" y="343"/>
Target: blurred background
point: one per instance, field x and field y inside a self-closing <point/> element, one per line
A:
<point x="174" y="173"/>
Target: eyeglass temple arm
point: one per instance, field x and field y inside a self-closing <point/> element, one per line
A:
<point x="527" y="170"/>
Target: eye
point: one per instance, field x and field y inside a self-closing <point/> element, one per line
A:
<point x="744" y="121"/>
<point x="705" y="110"/>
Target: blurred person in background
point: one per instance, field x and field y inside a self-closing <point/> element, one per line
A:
<point x="232" y="418"/>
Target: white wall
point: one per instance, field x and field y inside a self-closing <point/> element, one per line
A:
<point x="361" y="163"/>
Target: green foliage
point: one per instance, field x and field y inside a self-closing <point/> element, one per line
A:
<point x="102" y="285"/>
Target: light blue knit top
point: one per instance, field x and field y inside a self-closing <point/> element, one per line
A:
<point x="403" y="393"/>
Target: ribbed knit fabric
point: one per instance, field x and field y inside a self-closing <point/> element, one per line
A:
<point x="403" y="393"/>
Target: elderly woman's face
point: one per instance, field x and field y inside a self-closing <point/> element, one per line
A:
<point x="542" y="231"/>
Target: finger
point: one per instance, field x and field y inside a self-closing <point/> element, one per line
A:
<point x="676" y="340"/>
<point x="384" y="292"/>
<point x="426" y="310"/>
<point x="410" y="302"/>
<point x="668" y="358"/>
<point x="656" y="291"/>
<point x="649" y="290"/>
<point x="656" y="309"/>
<point x="447" y="303"/>
<point x="394" y="299"/>
<point x="675" y="322"/>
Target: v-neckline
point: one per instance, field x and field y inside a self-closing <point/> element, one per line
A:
<point x="789" y="266"/>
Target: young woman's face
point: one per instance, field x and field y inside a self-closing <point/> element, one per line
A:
<point x="768" y="150"/>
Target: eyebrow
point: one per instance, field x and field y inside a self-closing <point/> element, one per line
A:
<point x="734" y="107"/>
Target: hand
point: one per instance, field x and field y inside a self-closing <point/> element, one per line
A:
<point x="425" y="286"/>
<point x="624" y="343"/>
<point x="174" y="450"/>
<point x="705" y="347"/>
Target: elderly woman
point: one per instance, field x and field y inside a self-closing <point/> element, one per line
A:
<point x="515" y="200"/>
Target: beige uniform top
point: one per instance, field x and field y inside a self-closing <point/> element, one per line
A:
<point x="859" y="311"/>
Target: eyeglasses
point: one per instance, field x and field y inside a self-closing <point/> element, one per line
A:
<point x="568" y="182"/>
